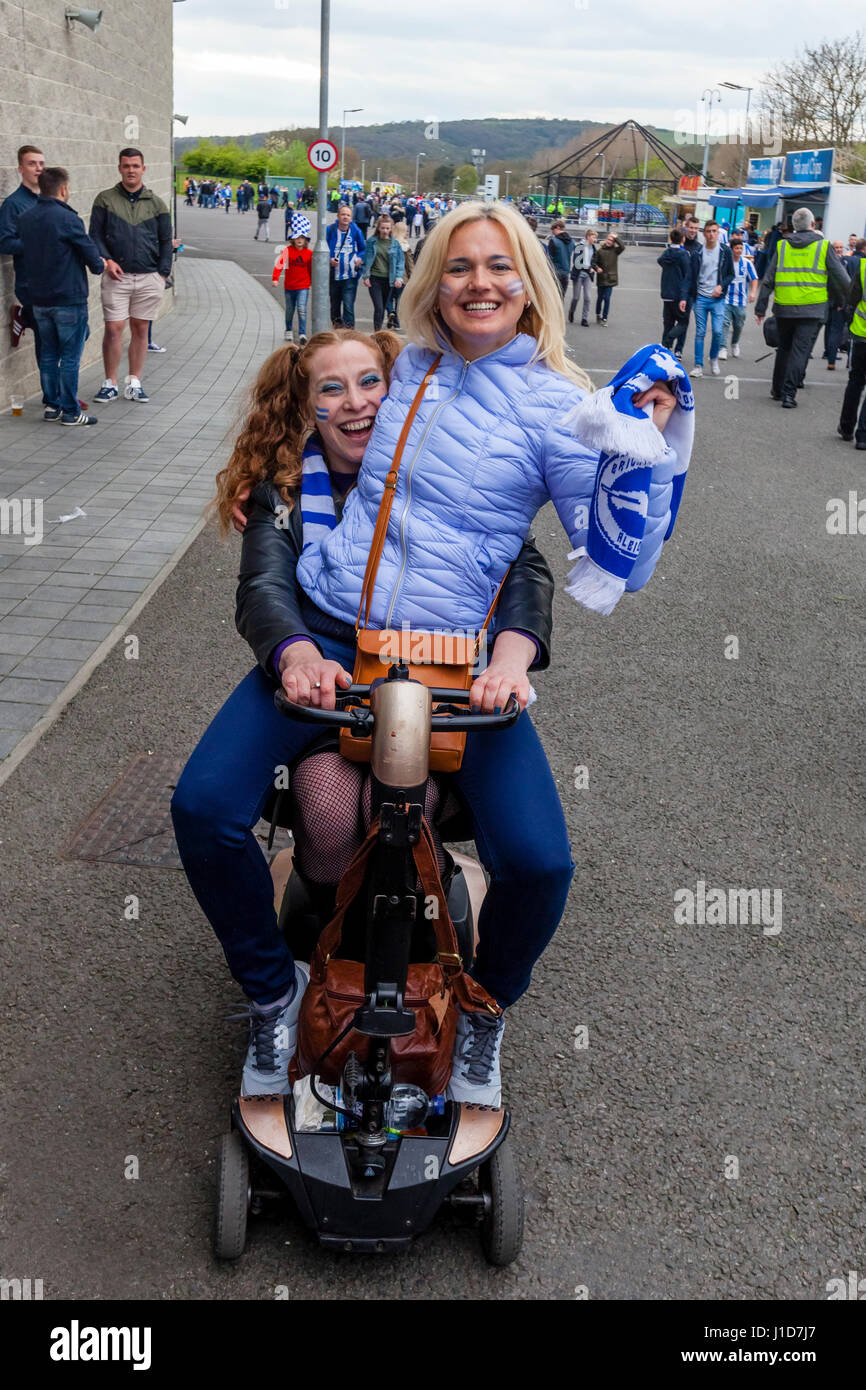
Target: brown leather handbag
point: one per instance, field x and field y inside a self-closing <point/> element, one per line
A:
<point x="433" y="990"/>
<point x="437" y="659"/>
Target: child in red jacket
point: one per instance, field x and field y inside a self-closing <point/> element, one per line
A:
<point x="295" y="261"/>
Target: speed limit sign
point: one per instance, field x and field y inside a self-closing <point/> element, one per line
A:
<point x="323" y="156"/>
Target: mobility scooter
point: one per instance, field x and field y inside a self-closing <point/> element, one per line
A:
<point x="370" y="1160"/>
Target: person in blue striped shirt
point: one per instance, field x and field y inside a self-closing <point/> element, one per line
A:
<point x="742" y="291"/>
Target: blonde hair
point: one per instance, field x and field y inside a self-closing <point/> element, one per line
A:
<point x="543" y="319"/>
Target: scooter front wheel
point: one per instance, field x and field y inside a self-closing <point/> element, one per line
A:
<point x="502" y="1224"/>
<point x="233" y="1198"/>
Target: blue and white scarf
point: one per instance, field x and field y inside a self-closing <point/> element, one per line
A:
<point x="634" y="454"/>
<point x="318" y="514"/>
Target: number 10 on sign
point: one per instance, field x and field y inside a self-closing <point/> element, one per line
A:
<point x="323" y="155"/>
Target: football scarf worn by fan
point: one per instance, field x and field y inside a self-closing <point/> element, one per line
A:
<point x="318" y="514"/>
<point x="634" y="455"/>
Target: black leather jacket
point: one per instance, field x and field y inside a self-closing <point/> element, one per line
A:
<point x="271" y="605"/>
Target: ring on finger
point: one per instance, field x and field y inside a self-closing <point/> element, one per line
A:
<point x="318" y="685"/>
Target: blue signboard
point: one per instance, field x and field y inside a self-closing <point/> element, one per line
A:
<point x="765" y="171"/>
<point x="808" y="166"/>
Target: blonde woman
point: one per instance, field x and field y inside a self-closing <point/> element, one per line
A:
<point x="489" y="446"/>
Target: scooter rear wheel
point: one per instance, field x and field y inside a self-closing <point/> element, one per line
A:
<point x="502" y="1226"/>
<point x="233" y="1198"/>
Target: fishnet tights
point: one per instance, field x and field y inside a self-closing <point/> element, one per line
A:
<point x="331" y="814"/>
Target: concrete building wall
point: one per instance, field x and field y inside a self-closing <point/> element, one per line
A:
<point x="81" y="96"/>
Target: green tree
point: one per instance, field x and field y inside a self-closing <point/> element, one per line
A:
<point x="443" y="177"/>
<point x="467" y="178"/>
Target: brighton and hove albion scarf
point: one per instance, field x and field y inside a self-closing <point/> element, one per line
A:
<point x="633" y="456"/>
<point x="318" y="514"/>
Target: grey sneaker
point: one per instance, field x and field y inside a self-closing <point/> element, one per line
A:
<point x="475" y="1075"/>
<point x="273" y="1039"/>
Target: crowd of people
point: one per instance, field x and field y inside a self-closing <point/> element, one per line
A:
<point x="709" y="273"/>
<point x="375" y="238"/>
<point x="717" y="273"/>
<point x="714" y="273"/>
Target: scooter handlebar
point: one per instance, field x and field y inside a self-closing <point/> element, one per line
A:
<point x="361" y="719"/>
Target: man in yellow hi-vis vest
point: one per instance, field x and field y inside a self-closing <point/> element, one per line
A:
<point x="848" y="421"/>
<point x="804" y="275"/>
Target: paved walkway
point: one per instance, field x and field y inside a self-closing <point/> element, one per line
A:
<point x="143" y="475"/>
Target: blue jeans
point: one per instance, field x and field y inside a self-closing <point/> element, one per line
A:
<point x="297" y="299"/>
<point x="62" y="333"/>
<point x="714" y="309"/>
<point x="505" y="781"/>
<point x="343" y="294"/>
<point x="602" y="301"/>
<point x="735" y="316"/>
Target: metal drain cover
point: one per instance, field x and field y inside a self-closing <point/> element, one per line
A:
<point x="132" y="822"/>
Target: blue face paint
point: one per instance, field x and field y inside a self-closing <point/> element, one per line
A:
<point x="322" y="413"/>
<point x="515" y="287"/>
<point x="382" y="399"/>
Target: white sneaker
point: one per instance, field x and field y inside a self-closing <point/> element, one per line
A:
<point x="736" y="349"/>
<point x="273" y="1039"/>
<point x="714" y="366"/>
<point x="133" y="390"/>
<point x="288" y="337"/>
<point x="723" y="352"/>
<point x="696" y="371"/>
<point x="475" y="1075"/>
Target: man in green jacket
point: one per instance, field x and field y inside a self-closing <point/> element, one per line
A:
<point x="132" y="231"/>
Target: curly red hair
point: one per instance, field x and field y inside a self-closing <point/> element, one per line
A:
<point x="278" y="419"/>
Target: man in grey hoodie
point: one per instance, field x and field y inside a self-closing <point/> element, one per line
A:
<point x="803" y="286"/>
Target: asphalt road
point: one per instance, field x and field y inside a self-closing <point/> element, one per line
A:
<point x="708" y="1140"/>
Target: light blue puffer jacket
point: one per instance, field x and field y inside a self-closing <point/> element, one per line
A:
<point x="486" y="449"/>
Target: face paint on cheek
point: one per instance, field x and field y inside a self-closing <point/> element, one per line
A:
<point x="514" y="287"/>
<point x="382" y="400"/>
<point x="447" y="291"/>
<point x="322" y="413"/>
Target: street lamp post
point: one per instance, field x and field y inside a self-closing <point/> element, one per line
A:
<point x="363" y="167"/>
<point x="347" y="111"/>
<point x="321" y="306"/>
<point x="737" y="87"/>
<point x="418" y="159"/>
<point x="183" y="120"/>
<point x="707" y="99"/>
<point x="507" y="181"/>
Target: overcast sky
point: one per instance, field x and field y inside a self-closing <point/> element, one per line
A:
<point x="253" y="65"/>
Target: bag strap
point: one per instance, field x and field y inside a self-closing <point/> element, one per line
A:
<point x="349" y="888"/>
<point x="424" y="855"/>
<point x="378" y="542"/>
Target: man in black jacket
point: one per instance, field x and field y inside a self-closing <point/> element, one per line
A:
<point x="675" y="289"/>
<point x="132" y="231"/>
<point x="31" y="162"/>
<point x="55" y="251"/>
